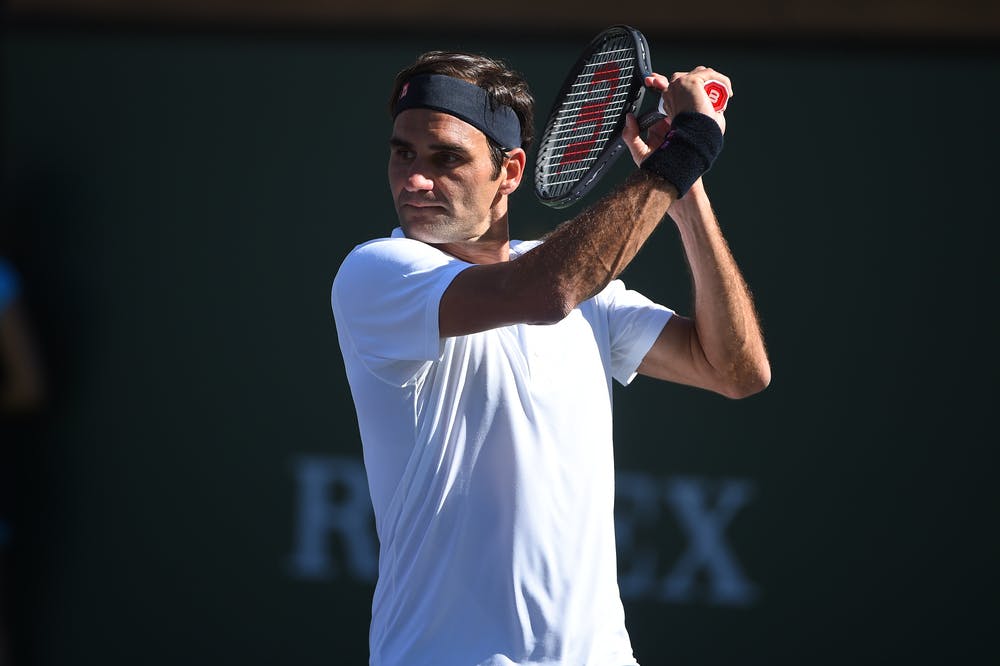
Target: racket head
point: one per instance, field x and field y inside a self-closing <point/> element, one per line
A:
<point x="582" y="134"/>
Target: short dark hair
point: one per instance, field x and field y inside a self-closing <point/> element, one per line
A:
<point x="502" y="84"/>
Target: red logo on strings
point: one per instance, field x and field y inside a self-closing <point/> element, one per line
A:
<point x="592" y="113"/>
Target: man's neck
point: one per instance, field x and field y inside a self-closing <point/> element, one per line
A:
<point x="477" y="252"/>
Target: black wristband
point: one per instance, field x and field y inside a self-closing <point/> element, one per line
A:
<point x="689" y="150"/>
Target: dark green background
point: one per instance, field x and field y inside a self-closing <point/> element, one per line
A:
<point x="182" y="202"/>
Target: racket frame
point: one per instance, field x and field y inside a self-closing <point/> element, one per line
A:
<point x="613" y="146"/>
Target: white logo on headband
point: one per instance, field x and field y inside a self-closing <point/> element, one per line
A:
<point x="402" y="93"/>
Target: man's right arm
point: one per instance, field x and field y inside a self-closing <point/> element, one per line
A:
<point x="583" y="255"/>
<point x="576" y="261"/>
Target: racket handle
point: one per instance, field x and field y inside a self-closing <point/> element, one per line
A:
<point x="717" y="93"/>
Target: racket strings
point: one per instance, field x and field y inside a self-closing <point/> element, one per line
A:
<point x="593" y="102"/>
<point x="587" y="117"/>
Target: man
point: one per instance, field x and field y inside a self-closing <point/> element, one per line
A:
<point x="22" y="395"/>
<point x="481" y="369"/>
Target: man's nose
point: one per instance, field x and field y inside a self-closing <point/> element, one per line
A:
<point x="418" y="182"/>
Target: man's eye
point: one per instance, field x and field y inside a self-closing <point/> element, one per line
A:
<point x="449" y="158"/>
<point x="400" y="152"/>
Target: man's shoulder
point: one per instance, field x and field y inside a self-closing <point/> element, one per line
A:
<point x="394" y="251"/>
<point x="401" y="246"/>
<point x="390" y="245"/>
<point x="10" y="284"/>
<point x="384" y="261"/>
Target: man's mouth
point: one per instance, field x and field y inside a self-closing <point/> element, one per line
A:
<point x="412" y="203"/>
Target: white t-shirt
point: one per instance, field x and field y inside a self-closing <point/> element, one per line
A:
<point x="490" y="465"/>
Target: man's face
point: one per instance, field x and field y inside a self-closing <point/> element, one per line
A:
<point x="441" y="177"/>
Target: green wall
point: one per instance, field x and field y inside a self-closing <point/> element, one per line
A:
<point x="182" y="202"/>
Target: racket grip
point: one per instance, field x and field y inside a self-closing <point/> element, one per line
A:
<point x="717" y="93"/>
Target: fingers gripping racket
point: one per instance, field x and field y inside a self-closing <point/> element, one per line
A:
<point x="582" y="136"/>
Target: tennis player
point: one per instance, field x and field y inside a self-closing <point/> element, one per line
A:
<point x="481" y="370"/>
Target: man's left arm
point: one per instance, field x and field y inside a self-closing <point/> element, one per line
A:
<point x="721" y="347"/>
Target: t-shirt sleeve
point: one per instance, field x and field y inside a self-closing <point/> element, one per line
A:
<point x="634" y="323"/>
<point x="385" y="301"/>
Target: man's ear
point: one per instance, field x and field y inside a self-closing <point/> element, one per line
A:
<point x="512" y="170"/>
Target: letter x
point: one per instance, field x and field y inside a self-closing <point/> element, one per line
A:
<point x="707" y="547"/>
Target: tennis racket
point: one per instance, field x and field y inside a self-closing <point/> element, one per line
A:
<point x="582" y="136"/>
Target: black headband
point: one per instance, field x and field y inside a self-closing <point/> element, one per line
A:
<point x="463" y="100"/>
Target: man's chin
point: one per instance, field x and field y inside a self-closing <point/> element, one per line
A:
<point x="422" y="223"/>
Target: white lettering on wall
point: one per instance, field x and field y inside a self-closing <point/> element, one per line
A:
<point x="332" y="500"/>
<point x="707" y="569"/>
<point x="334" y="533"/>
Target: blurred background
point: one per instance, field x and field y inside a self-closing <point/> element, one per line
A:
<point x="182" y="480"/>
